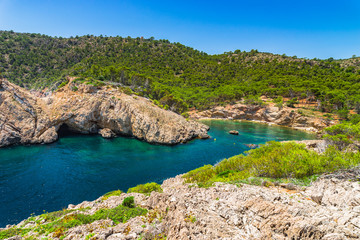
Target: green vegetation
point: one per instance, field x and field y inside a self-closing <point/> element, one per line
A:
<point x="146" y="188"/>
<point x="58" y="222"/>
<point x="292" y="102"/>
<point x="89" y="236"/>
<point x="113" y="193"/>
<point x="4" y="234"/>
<point x="178" y="77"/>
<point x="345" y="133"/>
<point x="129" y="202"/>
<point x="279" y="161"/>
<point x="279" y="101"/>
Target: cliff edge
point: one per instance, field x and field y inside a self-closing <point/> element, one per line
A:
<point x="29" y="119"/>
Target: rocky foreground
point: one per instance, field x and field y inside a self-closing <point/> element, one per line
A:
<point x="28" y="119"/>
<point x="328" y="209"/>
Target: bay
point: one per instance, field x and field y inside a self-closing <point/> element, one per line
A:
<point x="76" y="168"/>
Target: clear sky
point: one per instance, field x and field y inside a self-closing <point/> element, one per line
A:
<point x="315" y="28"/>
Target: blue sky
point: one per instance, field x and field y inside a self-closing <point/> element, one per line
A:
<point x="304" y="28"/>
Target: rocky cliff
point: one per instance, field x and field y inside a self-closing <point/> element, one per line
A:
<point x="328" y="209"/>
<point x="285" y="116"/>
<point x="28" y="119"/>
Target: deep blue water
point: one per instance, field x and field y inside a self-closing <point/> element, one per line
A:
<point x="82" y="167"/>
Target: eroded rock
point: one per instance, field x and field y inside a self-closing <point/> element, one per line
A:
<point x="267" y="114"/>
<point x="27" y="119"/>
<point x="234" y="132"/>
<point x="107" y="133"/>
<point x="227" y="211"/>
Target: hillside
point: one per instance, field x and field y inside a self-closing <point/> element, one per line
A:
<point x="179" y="77"/>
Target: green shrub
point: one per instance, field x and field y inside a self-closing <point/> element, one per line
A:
<point x="274" y="160"/>
<point x="343" y="114"/>
<point x="146" y="188"/>
<point x="185" y="115"/>
<point x="291" y="103"/>
<point x="341" y="135"/>
<point x="354" y="119"/>
<point x="8" y="233"/>
<point x="253" y="100"/>
<point x="63" y="84"/>
<point x="113" y="193"/>
<point x="279" y="101"/>
<point x="127" y="90"/>
<point x="119" y="214"/>
<point x="129" y="202"/>
<point x="202" y="174"/>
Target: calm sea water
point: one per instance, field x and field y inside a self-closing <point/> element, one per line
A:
<point x="81" y="167"/>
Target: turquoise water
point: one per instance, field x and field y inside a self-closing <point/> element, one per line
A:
<point x="82" y="167"/>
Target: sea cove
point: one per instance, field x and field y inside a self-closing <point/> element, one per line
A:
<point x="83" y="167"/>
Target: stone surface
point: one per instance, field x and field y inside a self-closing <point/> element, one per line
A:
<point x="234" y="132"/>
<point x="252" y="146"/>
<point x="227" y="211"/>
<point x="106" y="133"/>
<point x="27" y="119"/>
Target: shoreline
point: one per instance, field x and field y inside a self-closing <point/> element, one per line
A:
<point x="294" y="118"/>
<point x="310" y="130"/>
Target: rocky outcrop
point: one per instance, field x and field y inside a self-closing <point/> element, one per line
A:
<point x="270" y="114"/>
<point x="318" y="146"/>
<point x="233" y="132"/>
<point x="27" y="119"/>
<point x="328" y="209"/>
<point x="106" y="133"/>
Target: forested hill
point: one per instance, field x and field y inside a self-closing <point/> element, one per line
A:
<point x="176" y="75"/>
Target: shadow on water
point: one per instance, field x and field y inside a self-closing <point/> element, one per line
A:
<point x="64" y="131"/>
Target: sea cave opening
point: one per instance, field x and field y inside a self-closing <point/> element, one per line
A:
<point x="65" y="131"/>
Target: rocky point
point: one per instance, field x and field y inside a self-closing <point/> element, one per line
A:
<point x="28" y="119"/>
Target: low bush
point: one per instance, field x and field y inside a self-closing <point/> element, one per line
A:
<point x="146" y="188"/>
<point x="58" y="224"/>
<point x="341" y="135"/>
<point x="291" y="103"/>
<point x="8" y="233"/>
<point x="119" y="214"/>
<point x="113" y="193"/>
<point x="274" y="160"/>
<point x="129" y="202"/>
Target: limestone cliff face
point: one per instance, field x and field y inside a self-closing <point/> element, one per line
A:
<point x="22" y="118"/>
<point x="27" y="119"/>
<point x="286" y="116"/>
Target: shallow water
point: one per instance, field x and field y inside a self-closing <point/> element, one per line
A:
<point x="82" y="167"/>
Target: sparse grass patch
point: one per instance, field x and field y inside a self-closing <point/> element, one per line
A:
<point x="4" y="234"/>
<point x="190" y="218"/>
<point x="118" y="214"/>
<point x="58" y="224"/>
<point x="55" y="215"/>
<point x="88" y="237"/>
